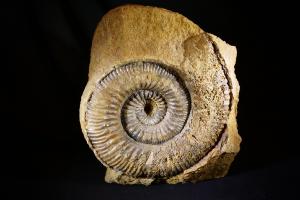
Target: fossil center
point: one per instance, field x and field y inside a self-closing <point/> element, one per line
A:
<point x="156" y="111"/>
<point x="150" y="107"/>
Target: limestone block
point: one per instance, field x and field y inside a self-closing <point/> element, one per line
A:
<point x="161" y="101"/>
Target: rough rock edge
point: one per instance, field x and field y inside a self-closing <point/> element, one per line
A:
<point x="218" y="161"/>
<point x="112" y="176"/>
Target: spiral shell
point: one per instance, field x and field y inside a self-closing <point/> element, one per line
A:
<point x="138" y="115"/>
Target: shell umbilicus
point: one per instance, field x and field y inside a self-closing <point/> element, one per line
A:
<point x="161" y="99"/>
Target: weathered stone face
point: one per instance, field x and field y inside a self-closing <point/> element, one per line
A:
<point x="161" y="99"/>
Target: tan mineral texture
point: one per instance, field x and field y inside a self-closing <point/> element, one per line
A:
<point x="160" y="104"/>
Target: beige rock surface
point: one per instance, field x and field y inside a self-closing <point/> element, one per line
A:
<point x="161" y="101"/>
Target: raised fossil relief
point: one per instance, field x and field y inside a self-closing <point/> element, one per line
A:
<point x="160" y="104"/>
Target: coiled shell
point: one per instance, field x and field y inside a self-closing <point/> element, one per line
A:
<point x="136" y="118"/>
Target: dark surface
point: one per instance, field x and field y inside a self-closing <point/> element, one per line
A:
<point x="47" y="47"/>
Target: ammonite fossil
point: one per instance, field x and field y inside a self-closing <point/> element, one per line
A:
<point x="160" y="104"/>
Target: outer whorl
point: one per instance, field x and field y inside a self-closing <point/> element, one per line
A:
<point x="161" y="99"/>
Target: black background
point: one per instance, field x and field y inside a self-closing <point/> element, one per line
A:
<point x="45" y="67"/>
